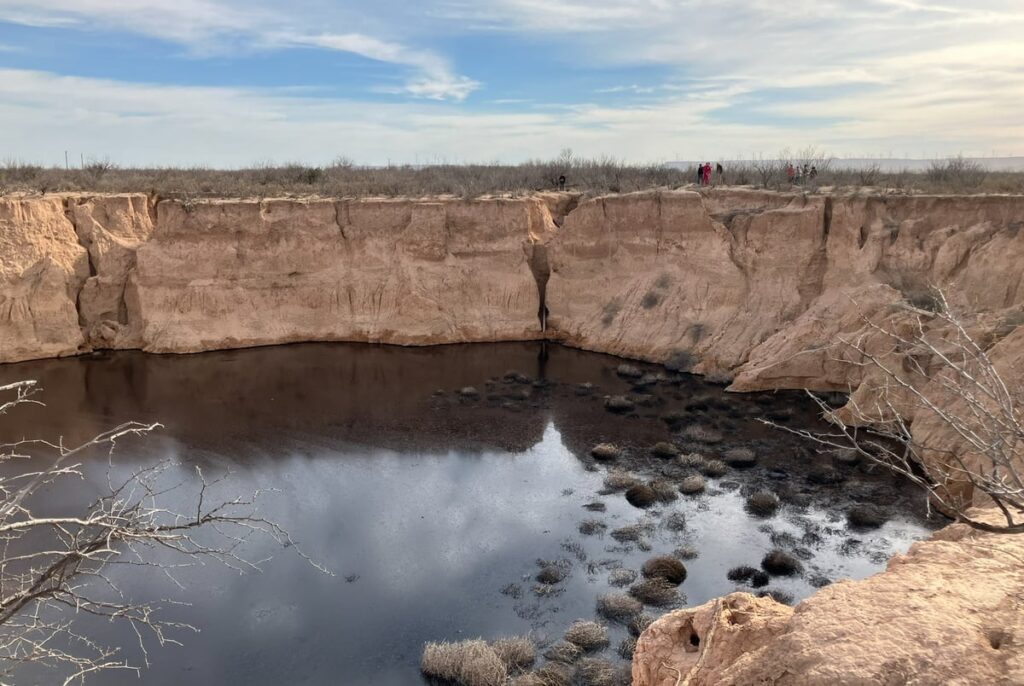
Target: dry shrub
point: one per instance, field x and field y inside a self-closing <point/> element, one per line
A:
<point x="664" y="449"/>
<point x="552" y="573"/>
<point x="619" y="404"/>
<point x="564" y="651"/>
<point x="631" y="533"/>
<point x="619" y="481"/>
<point x="551" y="674"/>
<point x="692" y="485"/>
<point x="621" y="577"/>
<point x="618" y="607"/>
<point x="740" y="457"/>
<point x="626" y="648"/>
<point x="641" y="495"/>
<point x="467" y="663"/>
<point x="780" y="563"/>
<point x="686" y="552"/>
<point x="866" y="517"/>
<point x="703" y="434"/>
<point x="589" y="636"/>
<point x="691" y="460"/>
<point x="595" y="671"/>
<point x="605" y="451"/>
<point x="741" y="573"/>
<point x="590" y="527"/>
<point x="664" y="491"/>
<point x="675" y="521"/>
<point x="639" y="624"/>
<point x="516" y="653"/>
<point x="715" y="469"/>
<point x="655" y="592"/>
<point x="762" y="503"/>
<point x="663" y="567"/>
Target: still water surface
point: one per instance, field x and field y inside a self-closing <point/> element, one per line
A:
<point x="426" y="504"/>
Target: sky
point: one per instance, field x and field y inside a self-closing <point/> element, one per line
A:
<point x="230" y="83"/>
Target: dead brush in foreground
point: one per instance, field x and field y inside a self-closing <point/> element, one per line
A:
<point x="477" y="662"/>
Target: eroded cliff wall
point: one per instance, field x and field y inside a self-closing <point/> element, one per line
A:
<point x="185" y="277"/>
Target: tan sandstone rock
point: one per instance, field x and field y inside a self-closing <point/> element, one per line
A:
<point x="42" y="268"/>
<point x="950" y="611"/>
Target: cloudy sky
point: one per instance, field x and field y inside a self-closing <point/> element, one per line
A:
<point x="232" y="82"/>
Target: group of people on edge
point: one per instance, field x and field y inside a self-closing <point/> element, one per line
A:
<point x="704" y="173"/>
<point x="796" y="174"/>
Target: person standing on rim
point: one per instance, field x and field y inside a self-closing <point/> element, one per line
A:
<point x="700" y="174"/>
<point x="707" y="173"/>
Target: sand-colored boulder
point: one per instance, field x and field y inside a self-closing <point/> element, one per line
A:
<point x="950" y="611"/>
<point x="42" y="269"/>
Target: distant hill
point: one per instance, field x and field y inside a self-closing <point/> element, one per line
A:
<point x="892" y="164"/>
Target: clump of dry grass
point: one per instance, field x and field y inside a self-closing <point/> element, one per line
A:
<point x="741" y="458"/>
<point x="594" y="671"/>
<point x="640" y="623"/>
<point x="703" y="434"/>
<point x="589" y="636"/>
<point x="517" y="653"/>
<point x="591" y="527"/>
<point x="641" y="495"/>
<point x="675" y="521"/>
<point x="691" y="460"/>
<point x="631" y="533"/>
<point x="692" y="485"/>
<point x="622" y="577"/>
<point x="686" y="552"/>
<point x="564" y="651"/>
<point x="553" y="573"/>
<point x="664" y="567"/>
<point x="619" y="481"/>
<point x="550" y="674"/>
<point x="762" y="503"/>
<point x="664" y="449"/>
<point x="780" y="563"/>
<point x="655" y="592"/>
<point x="467" y="663"/>
<point x="626" y="648"/>
<point x="715" y="469"/>
<point x="618" y="607"/>
<point x="605" y="452"/>
<point x="663" y="490"/>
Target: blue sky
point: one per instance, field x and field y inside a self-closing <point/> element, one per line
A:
<point x="230" y="83"/>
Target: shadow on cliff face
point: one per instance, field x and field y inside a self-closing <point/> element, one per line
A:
<point x="455" y="492"/>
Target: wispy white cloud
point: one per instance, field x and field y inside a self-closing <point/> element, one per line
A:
<point x="154" y="124"/>
<point x="216" y="26"/>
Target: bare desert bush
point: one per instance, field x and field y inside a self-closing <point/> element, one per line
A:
<point x="933" y="367"/>
<point x="56" y="569"/>
<point x="589" y="636"/>
<point x="618" y="607"/>
<point x="344" y="178"/>
<point x="466" y="663"/>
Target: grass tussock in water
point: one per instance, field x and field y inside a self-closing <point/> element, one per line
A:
<point x="466" y="663"/>
<point x="622" y="577"/>
<point x="780" y="563"/>
<point x="714" y="469"/>
<point x="627" y="647"/>
<point x="595" y="671"/>
<point x="618" y="607"/>
<point x="655" y="592"/>
<point x="639" y="624"/>
<point x="663" y="567"/>
<point x="692" y="485"/>
<point x="620" y="481"/>
<point x="762" y="504"/>
<point x="551" y="674"/>
<point x="564" y="652"/>
<point x="517" y="653"/>
<point x="589" y="636"/>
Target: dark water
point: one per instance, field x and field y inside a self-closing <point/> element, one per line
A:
<point x="426" y="505"/>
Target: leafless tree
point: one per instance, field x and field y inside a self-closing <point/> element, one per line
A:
<point x="925" y="365"/>
<point x="56" y="569"/>
<point x="767" y="170"/>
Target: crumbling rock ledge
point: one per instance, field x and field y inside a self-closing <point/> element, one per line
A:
<point x="950" y="611"/>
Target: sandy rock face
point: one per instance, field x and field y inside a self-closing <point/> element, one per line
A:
<point x="42" y="269"/>
<point x="235" y="274"/>
<point x="661" y="275"/>
<point x="112" y="228"/>
<point x="950" y="611"/>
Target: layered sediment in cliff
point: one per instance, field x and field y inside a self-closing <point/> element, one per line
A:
<point x="950" y="611"/>
<point x="182" y="277"/>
